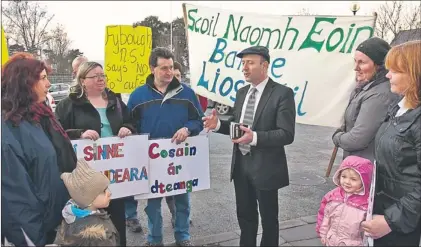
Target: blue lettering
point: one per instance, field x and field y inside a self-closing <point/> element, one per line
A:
<point x="299" y="112"/>
<point x="171" y="153"/>
<point x="277" y="63"/>
<point x="234" y="55"/>
<point x="296" y="90"/>
<point x="218" y="51"/>
<point x="236" y="87"/>
<point x="202" y="82"/>
<point x="113" y="173"/>
<point x="221" y="87"/>
<point x="216" y="79"/>
<point x="133" y="173"/>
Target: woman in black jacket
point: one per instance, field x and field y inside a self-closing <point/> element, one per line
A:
<point x="92" y="111"/>
<point x="35" y="151"/>
<point x="397" y="202"/>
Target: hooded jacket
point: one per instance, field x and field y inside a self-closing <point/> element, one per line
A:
<point x="82" y="227"/>
<point x="341" y="213"/>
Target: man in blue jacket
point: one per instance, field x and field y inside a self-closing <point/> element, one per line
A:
<point x="164" y="108"/>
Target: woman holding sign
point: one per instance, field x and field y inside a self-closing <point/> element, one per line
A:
<point x="92" y="111"/>
<point x="397" y="202"/>
<point x="35" y="151"/>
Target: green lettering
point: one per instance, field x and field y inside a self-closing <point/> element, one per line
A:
<point x="164" y="153"/>
<point x="270" y="32"/>
<point x="330" y="47"/>
<point x="227" y="31"/>
<point x="191" y="27"/>
<point x="347" y="38"/>
<point x="242" y="38"/>
<point x="168" y="188"/>
<point x="287" y="29"/>
<point x="356" y="34"/>
<point x="258" y="36"/>
<point x="308" y="42"/>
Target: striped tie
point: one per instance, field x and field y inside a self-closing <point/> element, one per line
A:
<point x="248" y="118"/>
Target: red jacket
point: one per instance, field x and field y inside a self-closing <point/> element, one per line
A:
<point x="203" y="102"/>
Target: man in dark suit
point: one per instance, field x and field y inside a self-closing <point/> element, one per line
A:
<point x="259" y="165"/>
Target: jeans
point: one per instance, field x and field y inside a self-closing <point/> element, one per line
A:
<point x="182" y="219"/>
<point x="131" y="208"/>
<point x="171" y="204"/>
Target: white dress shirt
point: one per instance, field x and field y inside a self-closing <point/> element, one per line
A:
<point x="402" y="108"/>
<point x="257" y="95"/>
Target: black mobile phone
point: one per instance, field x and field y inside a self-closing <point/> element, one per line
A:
<point x="236" y="132"/>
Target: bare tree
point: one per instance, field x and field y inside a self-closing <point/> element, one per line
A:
<point x="396" y="16"/>
<point x="26" y="24"/>
<point x="57" y="48"/>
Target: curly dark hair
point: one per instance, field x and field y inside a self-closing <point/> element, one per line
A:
<point x="159" y="52"/>
<point x="19" y="75"/>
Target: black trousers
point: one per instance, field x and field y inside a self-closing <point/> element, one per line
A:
<point x="117" y="213"/>
<point x="247" y="197"/>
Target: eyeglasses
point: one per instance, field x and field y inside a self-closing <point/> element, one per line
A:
<point x="96" y="77"/>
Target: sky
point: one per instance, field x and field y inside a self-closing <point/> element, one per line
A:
<point x="85" y="21"/>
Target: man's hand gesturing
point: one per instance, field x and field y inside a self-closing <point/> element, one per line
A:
<point x="210" y="122"/>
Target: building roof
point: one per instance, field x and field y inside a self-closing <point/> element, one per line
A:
<point x="406" y="35"/>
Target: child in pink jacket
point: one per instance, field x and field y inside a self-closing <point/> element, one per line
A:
<point x="344" y="208"/>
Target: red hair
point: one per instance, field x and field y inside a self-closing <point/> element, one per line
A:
<point x="19" y="76"/>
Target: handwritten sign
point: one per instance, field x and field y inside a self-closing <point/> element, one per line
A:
<point x="313" y="55"/>
<point x="177" y="169"/>
<point x="127" y="51"/>
<point x="4" y="50"/>
<point x="123" y="160"/>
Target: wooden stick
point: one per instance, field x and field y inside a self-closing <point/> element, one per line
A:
<point x="332" y="160"/>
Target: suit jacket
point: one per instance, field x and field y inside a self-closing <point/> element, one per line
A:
<point x="274" y="123"/>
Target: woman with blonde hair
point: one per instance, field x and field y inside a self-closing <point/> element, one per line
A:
<point x="92" y="111"/>
<point x="397" y="202"/>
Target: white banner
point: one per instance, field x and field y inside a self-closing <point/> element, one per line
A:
<point x="177" y="169"/>
<point x="313" y="55"/>
<point x="123" y="160"/>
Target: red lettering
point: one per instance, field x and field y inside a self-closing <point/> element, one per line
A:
<point x="126" y="175"/>
<point x="182" y="185"/>
<point x="116" y="148"/>
<point x="117" y="176"/>
<point x="88" y="151"/>
<point x="153" y="155"/>
<point x="99" y="152"/>
<point x="110" y="152"/>
<point x="161" y="188"/>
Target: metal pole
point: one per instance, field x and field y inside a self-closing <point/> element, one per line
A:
<point x="171" y="26"/>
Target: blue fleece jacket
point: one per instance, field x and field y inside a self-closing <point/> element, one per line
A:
<point x="162" y="115"/>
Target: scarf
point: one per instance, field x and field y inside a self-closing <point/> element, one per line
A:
<point x="71" y="212"/>
<point x="41" y="110"/>
<point x="44" y="116"/>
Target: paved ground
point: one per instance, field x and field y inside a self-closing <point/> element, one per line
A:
<point x="295" y="232"/>
<point x="213" y="211"/>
